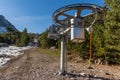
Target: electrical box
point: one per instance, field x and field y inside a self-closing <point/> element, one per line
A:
<point x="77" y="30"/>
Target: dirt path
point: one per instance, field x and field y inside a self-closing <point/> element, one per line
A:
<point x="34" y="65"/>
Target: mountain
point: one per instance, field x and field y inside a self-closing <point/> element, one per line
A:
<point x="5" y="23"/>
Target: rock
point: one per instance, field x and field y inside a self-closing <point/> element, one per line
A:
<point x="90" y="67"/>
<point x="53" y="47"/>
<point x="101" y="70"/>
<point x="72" y="71"/>
<point x="95" y="75"/>
<point x="72" y="78"/>
<point x="83" y="74"/>
<point x="107" y="73"/>
<point x="56" y="73"/>
<point x="99" y="61"/>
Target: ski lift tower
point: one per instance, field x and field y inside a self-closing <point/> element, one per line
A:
<point x="72" y="21"/>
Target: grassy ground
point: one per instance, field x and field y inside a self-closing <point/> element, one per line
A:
<point x="53" y="52"/>
<point x="56" y="53"/>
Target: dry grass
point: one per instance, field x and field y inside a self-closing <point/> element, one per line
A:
<point x="53" y="52"/>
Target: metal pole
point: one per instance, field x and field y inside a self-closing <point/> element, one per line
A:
<point x="90" y="51"/>
<point x="90" y="46"/>
<point x="62" y="57"/>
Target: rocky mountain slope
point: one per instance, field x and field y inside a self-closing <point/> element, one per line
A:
<point x="5" y="23"/>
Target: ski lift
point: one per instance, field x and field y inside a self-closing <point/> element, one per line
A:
<point x="76" y="25"/>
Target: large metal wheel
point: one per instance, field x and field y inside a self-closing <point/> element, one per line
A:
<point x="63" y="15"/>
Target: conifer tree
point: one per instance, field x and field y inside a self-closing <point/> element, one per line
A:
<point x="46" y="42"/>
<point x="98" y="39"/>
<point x="24" y="38"/>
<point x="112" y="31"/>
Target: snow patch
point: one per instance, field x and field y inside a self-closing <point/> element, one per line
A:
<point x="3" y="61"/>
<point x="11" y="51"/>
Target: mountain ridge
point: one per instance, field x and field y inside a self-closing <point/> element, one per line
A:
<point x="4" y="23"/>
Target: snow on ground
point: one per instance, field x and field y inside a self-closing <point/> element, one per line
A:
<point x="3" y="61"/>
<point x="10" y="51"/>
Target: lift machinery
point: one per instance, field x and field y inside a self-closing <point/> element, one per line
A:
<point x="72" y="21"/>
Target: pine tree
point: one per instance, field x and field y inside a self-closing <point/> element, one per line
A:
<point x="112" y="31"/>
<point x="98" y="40"/>
<point x="46" y="42"/>
<point x="24" y="38"/>
<point x="43" y="39"/>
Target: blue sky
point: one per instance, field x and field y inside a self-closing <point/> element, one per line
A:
<point x="35" y="15"/>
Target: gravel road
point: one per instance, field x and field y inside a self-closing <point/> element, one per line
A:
<point x="34" y="65"/>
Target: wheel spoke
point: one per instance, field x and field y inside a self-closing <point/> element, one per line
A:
<point x="65" y="21"/>
<point x="78" y="13"/>
<point x="67" y="15"/>
<point x="88" y="15"/>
